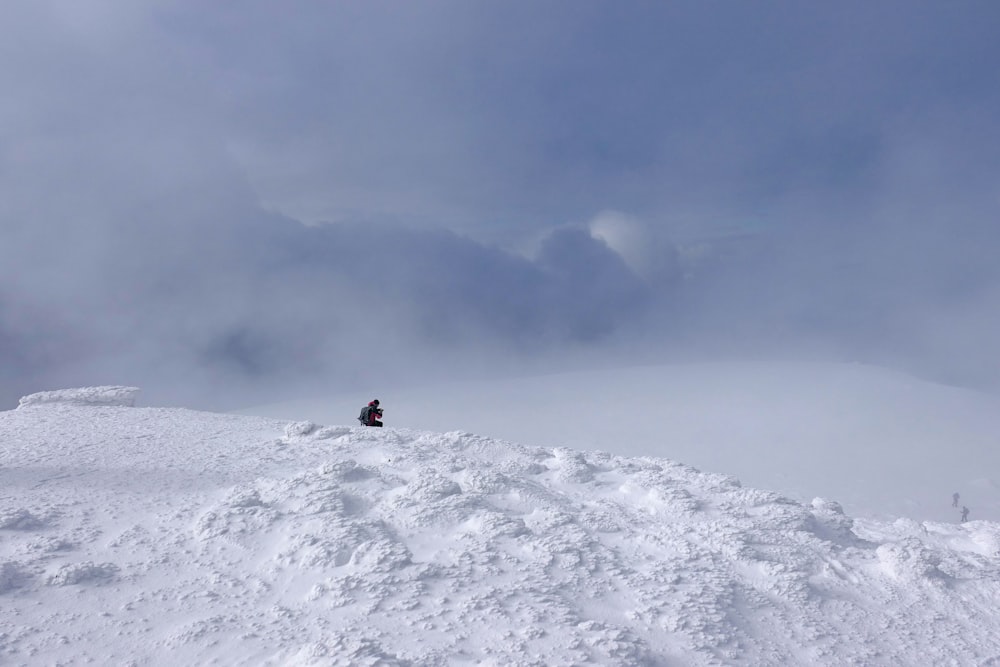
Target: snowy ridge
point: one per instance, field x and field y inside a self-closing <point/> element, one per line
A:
<point x="123" y="396"/>
<point x="162" y="536"/>
<point x="881" y="443"/>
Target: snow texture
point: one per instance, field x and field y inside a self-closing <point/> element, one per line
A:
<point x="164" y="536"/>
<point x="124" y="396"/>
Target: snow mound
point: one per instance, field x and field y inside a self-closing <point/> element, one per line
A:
<point x="112" y="395"/>
<point x="11" y="576"/>
<point x="18" y="519"/>
<point x="82" y="573"/>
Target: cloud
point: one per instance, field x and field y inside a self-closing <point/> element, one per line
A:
<point x="647" y="249"/>
<point x="592" y="291"/>
<point x="158" y="162"/>
<point x="265" y="302"/>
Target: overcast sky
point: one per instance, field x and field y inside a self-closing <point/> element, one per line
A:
<point x="199" y="196"/>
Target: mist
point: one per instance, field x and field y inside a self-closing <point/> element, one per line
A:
<point x="227" y="206"/>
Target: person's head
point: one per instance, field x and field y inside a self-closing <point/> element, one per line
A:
<point x="375" y="402"/>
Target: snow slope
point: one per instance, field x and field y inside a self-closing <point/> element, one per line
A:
<point x="152" y="536"/>
<point x="881" y="443"/>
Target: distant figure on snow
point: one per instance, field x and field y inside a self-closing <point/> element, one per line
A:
<point x="371" y="414"/>
<point x="954" y="499"/>
<point x="965" y="513"/>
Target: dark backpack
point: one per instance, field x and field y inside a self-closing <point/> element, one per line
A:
<point x="366" y="415"/>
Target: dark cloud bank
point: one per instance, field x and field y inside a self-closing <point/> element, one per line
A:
<point x="268" y="302"/>
<point x="221" y="206"/>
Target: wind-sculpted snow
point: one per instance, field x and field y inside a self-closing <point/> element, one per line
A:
<point x="123" y="396"/>
<point x="156" y="536"/>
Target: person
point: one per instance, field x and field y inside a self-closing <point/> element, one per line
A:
<point x="371" y="414"/>
<point x="954" y="499"/>
<point x="965" y="513"/>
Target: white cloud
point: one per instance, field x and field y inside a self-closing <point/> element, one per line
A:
<point x="645" y="248"/>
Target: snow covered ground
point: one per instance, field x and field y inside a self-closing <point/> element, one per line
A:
<point x="881" y="443"/>
<point x="161" y="536"/>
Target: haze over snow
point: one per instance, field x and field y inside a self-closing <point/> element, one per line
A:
<point x="882" y="443"/>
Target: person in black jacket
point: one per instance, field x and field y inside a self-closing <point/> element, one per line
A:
<point x="371" y="414"/>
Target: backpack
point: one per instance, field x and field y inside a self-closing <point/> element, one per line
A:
<point x="366" y="415"/>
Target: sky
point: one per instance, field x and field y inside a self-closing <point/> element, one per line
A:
<point x="231" y="201"/>
<point x="165" y="536"/>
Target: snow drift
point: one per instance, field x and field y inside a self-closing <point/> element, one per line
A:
<point x="123" y="396"/>
<point x="165" y="536"/>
